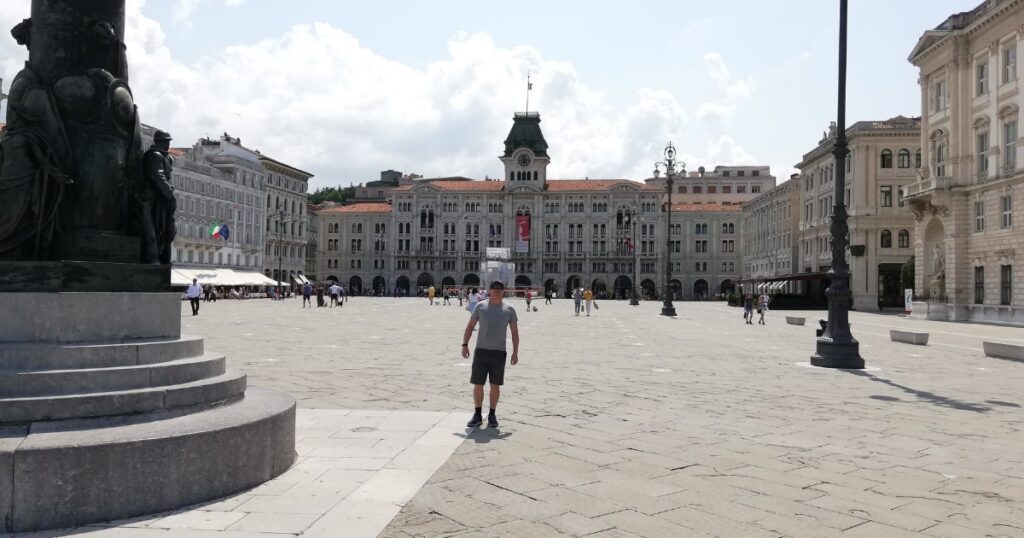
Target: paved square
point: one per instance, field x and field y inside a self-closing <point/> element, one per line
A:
<point x="627" y="423"/>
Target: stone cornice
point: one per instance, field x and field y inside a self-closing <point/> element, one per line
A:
<point x="971" y="29"/>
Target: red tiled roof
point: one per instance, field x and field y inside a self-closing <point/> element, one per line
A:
<point x="697" y="208"/>
<point x="456" y="186"/>
<point x="366" y="207"/>
<point x="576" y="185"/>
<point x="177" y="152"/>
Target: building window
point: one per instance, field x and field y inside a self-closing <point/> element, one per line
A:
<point x="981" y="77"/>
<point x="979" y="285"/>
<point x="755" y="189"/>
<point x="755" y="173"/>
<point x="1010" y="63"/>
<point x="982" y="140"/>
<point x="917" y="159"/>
<point x="886" y="239"/>
<point x="979" y="216"/>
<point x="904" y="239"/>
<point x="940" y="160"/>
<point x="886" y="158"/>
<point x="682" y="189"/>
<point x="1007" y="204"/>
<point x="1005" y="284"/>
<point x="726" y="189"/>
<point x="886" y="196"/>
<point x="903" y="160"/>
<point x="939" y="103"/>
<point x="1010" y="144"/>
<point x="741" y="189"/>
<point x="712" y="189"/>
<point x="697" y="189"/>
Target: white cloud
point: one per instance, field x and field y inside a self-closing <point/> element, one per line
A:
<point x="316" y="98"/>
<point x="734" y="89"/>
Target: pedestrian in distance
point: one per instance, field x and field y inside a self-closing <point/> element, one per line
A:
<point x="529" y="297"/>
<point x="319" y="296"/>
<point x="761" y="307"/>
<point x="307" y="295"/>
<point x="431" y="292"/>
<point x="547" y="296"/>
<point x="447" y="297"/>
<point x="588" y="298"/>
<point x="495" y="318"/>
<point x="577" y="299"/>
<point x="473" y="298"/>
<point x="333" y="291"/>
<point x="748" y="309"/>
<point x="194" y="292"/>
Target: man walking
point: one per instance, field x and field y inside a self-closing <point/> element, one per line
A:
<point x="194" y="292"/>
<point x="577" y="299"/>
<point x="494" y="317"/>
<point x="335" y="290"/>
<point x="307" y="295"/>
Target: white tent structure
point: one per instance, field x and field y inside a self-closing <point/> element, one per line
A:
<point x="219" y="277"/>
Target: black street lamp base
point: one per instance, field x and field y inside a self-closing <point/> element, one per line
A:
<point x="844" y="355"/>
<point x="668" y="310"/>
<point x="634" y="300"/>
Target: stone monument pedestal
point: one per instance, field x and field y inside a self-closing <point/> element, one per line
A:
<point x="108" y="412"/>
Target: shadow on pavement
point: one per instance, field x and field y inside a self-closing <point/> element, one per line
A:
<point x="942" y="401"/>
<point x="482" y="435"/>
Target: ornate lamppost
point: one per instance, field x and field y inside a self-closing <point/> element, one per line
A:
<point x="280" y="214"/>
<point x="837" y="348"/>
<point x="669" y="164"/>
<point x="631" y="217"/>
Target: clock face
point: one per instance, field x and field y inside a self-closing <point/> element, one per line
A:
<point x="523" y="159"/>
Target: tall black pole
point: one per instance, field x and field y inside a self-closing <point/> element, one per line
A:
<point x="634" y="300"/>
<point x="667" y="309"/>
<point x="837" y="348"/>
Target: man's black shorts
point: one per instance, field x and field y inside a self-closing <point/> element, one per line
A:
<point x="488" y="363"/>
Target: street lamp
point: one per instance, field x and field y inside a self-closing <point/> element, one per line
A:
<point x="280" y="214"/>
<point x="631" y="217"/>
<point x="836" y="348"/>
<point x="669" y="164"/>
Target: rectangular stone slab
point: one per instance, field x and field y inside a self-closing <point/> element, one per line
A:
<point x="1004" y="350"/>
<point x="917" y="338"/>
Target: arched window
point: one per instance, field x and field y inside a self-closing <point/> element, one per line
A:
<point x="904" y="239"/>
<point x="886" y="158"/>
<point x="886" y="239"/>
<point x="903" y="158"/>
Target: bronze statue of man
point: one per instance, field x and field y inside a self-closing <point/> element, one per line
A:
<point x="156" y="201"/>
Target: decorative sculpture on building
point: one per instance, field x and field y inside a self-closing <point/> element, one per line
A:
<point x="937" y="288"/>
<point x="71" y="162"/>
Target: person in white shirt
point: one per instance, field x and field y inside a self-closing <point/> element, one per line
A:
<point x="335" y="291"/>
<point x="194" y="292"/>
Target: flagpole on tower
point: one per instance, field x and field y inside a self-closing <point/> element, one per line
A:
<point x="529" y="86"/>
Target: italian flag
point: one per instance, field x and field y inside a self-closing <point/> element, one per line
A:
<point x="215" y="231"/>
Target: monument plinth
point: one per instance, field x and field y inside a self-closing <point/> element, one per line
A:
<point x="106" y="410"/>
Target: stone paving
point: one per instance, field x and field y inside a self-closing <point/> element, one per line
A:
<point x="627" y="423"/>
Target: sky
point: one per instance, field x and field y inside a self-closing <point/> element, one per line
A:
<point x="346" y="89"/>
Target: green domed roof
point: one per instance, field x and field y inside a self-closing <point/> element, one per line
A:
<point x="526" y="133"/>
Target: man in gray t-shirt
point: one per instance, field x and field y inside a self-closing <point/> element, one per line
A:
<point x="495" y="318"/>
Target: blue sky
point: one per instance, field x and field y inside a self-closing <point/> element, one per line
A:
<point x="348" y="89"/>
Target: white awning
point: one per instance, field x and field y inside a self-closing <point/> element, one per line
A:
<point x="219" y="277"/>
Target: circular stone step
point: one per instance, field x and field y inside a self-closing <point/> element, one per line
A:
<point x="22" y="357"/>
<point x="60" y="475"/>
<point x="21" y="410"/>
<point x="92" y="380"/>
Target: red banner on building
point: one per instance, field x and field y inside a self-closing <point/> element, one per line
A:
<point x="522" y="233"/>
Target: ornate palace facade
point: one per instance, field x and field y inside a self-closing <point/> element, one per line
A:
<point x="968" y="234"/>
<point x="561" y="234"/>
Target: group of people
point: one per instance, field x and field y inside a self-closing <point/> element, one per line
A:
<point x="583" y="298"/>
<point x="337" y="294"/>
<point x="750" y="304"/>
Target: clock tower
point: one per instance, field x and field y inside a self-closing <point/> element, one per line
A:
<point x="526" y="153"/>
